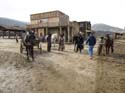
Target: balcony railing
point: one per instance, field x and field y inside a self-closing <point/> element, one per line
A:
<point x="52" y="24"/>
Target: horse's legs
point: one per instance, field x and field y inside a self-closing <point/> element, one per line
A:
<point x="59" y="48"/>
<point x="100" y="49"/>
<point x="31" y="52"/>
<point x="80" y="50"/>
<point x="107" y="49"/>
<point x="27" y="52"/>
<point x="54" y="44"/>
<point x="75" y="47"/>
<point x="49" y="47"/>
<point x="112" y="49"/>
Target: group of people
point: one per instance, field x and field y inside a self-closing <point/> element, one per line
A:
<point x="79" y="43"/>
<point x="106" y="45"/>
<point x="28" y="40"/>
<point x="60" y="41"/>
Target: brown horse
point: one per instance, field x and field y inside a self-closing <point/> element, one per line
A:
<point x="109" y="44"/>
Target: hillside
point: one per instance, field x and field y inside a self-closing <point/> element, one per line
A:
<point x="11" y="22"/>
<point x="104" y="27"/>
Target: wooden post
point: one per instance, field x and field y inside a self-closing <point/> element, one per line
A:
<point x="68" y="29"/>
<point x="3" y="34"/>
<point x="60" y="30"/>
<point x="14" y="34"/>
<point x="46" y="30"/>
<point x="8" y="34"/>
<point x="64" y="31"/>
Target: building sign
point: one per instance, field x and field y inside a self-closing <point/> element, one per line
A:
<point x="43" y="21"/>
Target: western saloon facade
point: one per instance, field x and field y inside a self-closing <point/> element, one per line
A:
<point x="57" y="22"/>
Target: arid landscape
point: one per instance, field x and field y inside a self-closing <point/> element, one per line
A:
<point x="61" y="72"/>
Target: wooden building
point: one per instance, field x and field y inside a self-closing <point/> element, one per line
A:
<point x="53" y="22"/>
<point x="119" y="35"/>
<point x="83" y="26"/>
<point x="56" y="22"/>
<point x="10" y="31"/>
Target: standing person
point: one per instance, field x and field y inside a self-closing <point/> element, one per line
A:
<point x="32" y="40"/>
<point x="80" y="42"/>
<point x="29" y="43"/>
<point x="61" y="42"/>
<point x="41" y="37"/>
<point x="49" y="42"/>
<point x="91" y="41"/>
<point x="101" y="46"/>
<point x="112" y="45"/>
<point x="75" y="38"/>
<point x="108" y="44"/>
<point x="16" y="38"/>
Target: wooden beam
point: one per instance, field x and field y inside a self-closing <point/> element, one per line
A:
<point x="8" y="34"/>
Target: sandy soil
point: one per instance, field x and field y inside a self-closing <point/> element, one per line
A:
<point x="59" y="72"/>
<point x="110" y="75"/>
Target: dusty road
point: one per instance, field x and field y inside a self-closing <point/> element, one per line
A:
<point x="57" y="72"/>
<point x="110" y="75"/>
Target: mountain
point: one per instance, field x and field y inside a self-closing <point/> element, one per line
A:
<point x="11" y="22"/>
<point x="104" y="27"/>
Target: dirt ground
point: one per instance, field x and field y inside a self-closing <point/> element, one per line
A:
<point x="110" y="75"/>
<point x="60" y="72"/>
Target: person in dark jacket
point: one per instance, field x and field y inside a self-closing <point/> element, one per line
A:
<point x="112" y="45"/>
<point x="80" y="42"/>
<point x="91" y="41"/>
<point x="29" y="43"/>
<point x="75" y="38"/>
<point x="109" y="44"/>
<point x="49" y="42"/>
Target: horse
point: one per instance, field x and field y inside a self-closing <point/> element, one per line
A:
<point x="28" y="41"/>
<point x="109" y="44"/>
<point x="75" y="40"/>
<point x="54" y="39"/>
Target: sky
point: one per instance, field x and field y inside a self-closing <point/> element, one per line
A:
<point x="111" y="12"/>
